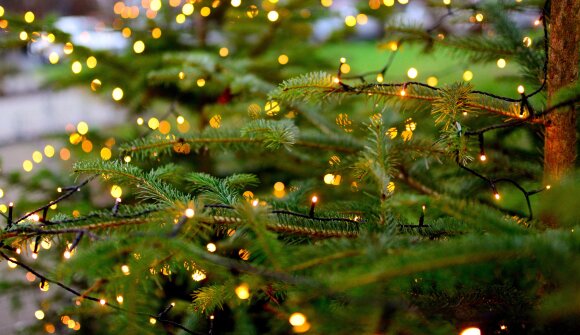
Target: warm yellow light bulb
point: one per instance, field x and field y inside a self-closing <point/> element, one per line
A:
<point x="211" y="247"/>
<point x="189" y="213"/>
<point x="117" y="93"/>
<point x="243" y="291"/>
<point x="521" y="89"/>
<point x="412" y="73"/>
<point x="138" y="47"/>
<point x="471" y="331"/>
<point x="297" y="319"/>
<point x="29" y="17"/>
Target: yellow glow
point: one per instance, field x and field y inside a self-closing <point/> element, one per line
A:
<point x="174" y="3"/>
<point x="447" y="2"/>
<point x="403" y="2"/>
<point x="152" y="320"/>
<point x="102" y="302"/>
<point x="279" y="186"/>
<point x="432" y="81"/>
<point x="362" y="19"/>
<point x="126" y="32"/>
<point x="67" y="254"/>
<point x="211" y="247"/>
<point x="471" y="331"/>
<point x="53" y="58"/>
<point x="106" y="153"/>
<point x="198" y="275"/>
<point x="501" y="63"/>
<point x="49" y="151"/>
<point x="243" y="291"/>
<point x="44" y="286"/>
<point x="283" y="59"/>
<point x="521" y="89"/>
<point x="117" y="94"/>
<point x="29" y="17"/>
<point x="76" y="67"/>
<point x="412" y="73"/>
<point x="326" y="3"/>
<point x="273" y="16"/>
<point x="344" y="68"/>
<point x="272" y="107"/>
<point x="189" y="213"/>
<point x="2" y="195"/>
<point x="127" y="159"/>
<point x="201" y="82"/>
<point x="140" y="121"/>
<point x="68" y="48"/>
<point x="180" y="18"/>
<point x="467" y="75"/>
<point x="138" y="47"/>
<point x="252" y="11"/>
<point x="314" y="199"/>
<point x="125" y="269"/>
<point x="350" y="21"/>
<point x="389" y="3"/>
<point x="116" y="191"/>
<point x="27" y="165"/>
<point x="120" y="299"/>
<point x="153" y="123"/>
<point x="95" y="85"/>
<point x="1" y="11"/>
<point x="155" y="5"/>
<point x="39" y="314"/>
<point x="23" y="35"/>
<point x="224" y="52"/>
<point x="187" y="9"/>
<point x="180" y="119"/>
<point x="12" y="265"/>
<point x="527" y="41"/>
<point x="82" y="128"/>
<point x="37" y="156"/>
<point x="479" y="17"/>
<point x="91" y="62"/>
<point x="156" y="33"/>
<point x="205" y="11"/>
<point x="297" y="319"/>
<point x="380" y="78"/>
<point x="482" y="157"/>
<point x="215" y="121"/>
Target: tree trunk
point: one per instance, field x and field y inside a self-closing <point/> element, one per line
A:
<point x="560" y="133"/>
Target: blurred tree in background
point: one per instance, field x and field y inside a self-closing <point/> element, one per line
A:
<point x="278" y="173"/>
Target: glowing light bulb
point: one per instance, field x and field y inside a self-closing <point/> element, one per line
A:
<point x="103" y="302"/>
<point x="243" y="291"/>
<point x="548" y="187"/>
<point x="211" y="247"/>
<point x="482" y="157"/>
<point x="314" y="199"/>
<point x="125" y="269"/>
<point x="471" y="331"/>
<point x="496" y="195"/>
<point x="120" y="299"/>
<point x="189" y="213"/>
<point x="521" y="89"/>
<point x="67" y="254"/>
<point x="403" y="93"/>
<point x="297" y="319"/>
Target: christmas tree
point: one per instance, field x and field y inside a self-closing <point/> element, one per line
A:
<point x="265" y="189"/>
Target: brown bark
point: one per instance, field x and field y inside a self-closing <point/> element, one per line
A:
<point x="560" y="133"/>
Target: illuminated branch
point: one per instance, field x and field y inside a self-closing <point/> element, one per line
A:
<point x="43" y="278"/>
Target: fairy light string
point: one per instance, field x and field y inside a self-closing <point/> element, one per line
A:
<point x="45" y="279"/>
